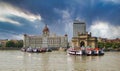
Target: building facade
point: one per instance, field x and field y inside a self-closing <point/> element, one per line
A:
<point x="78" y="27"/>
<point x="106" y="40"/>
<point x="81" y="38"/>
<point x="45" y="40"/>
<point x="3" y="42"/>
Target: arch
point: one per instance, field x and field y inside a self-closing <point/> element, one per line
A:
<point x="82" y="43"/>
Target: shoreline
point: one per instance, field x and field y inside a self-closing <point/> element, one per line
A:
<point x="12" y="48"/>
<point x="112" y="50"/>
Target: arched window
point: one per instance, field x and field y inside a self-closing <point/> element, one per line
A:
<point x="82" y="44"/>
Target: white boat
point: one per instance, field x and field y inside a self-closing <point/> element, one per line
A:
<point x="87" y="52"/>
<point x="79" y="52"/>
<point x="29" y="49"/>
<point x="35" y="50"/>
<point x="74" y="52"/>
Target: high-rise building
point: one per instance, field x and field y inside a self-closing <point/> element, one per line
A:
<point x="81" y="38"/>
<point x="45" y="40"/>
<point x="78" y="28"/>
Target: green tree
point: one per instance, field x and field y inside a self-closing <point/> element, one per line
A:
<point x="113" y="45"/>
<point x="100" y="44"/>
<point x="19" y="43"/>
<point x="118" y="45"/>
<point x="10" y="44"/>
<point x="108" y="45"/>
<point x="0" y="45"/>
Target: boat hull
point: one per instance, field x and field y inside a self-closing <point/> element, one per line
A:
<point x="84" y="53"/>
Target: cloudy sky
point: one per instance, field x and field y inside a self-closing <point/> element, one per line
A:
<point x="18" y="17"/>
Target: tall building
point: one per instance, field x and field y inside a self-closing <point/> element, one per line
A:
<point x="45" y="40"/>
<point x="78" y="27"/>
<point x="81" y="38"/>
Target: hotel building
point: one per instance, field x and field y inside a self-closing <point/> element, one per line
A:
<point x="45" y="40"/>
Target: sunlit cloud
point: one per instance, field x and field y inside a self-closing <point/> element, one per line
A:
<point x="2" y="19"/>
<point x="105" y="30"/>
<point x="7" y="10"/>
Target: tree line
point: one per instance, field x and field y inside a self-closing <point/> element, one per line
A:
<point x="109" y="45"/>
<point x="17" y="44"/>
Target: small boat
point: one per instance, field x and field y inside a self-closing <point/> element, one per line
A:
<point x="74" y="52"/>
<point x="29" y="49"/>
<point x="35" y="50"/>
<point x="48" y="50"/>
<point x="87" y="52"/>
<point x="23" y="49"/>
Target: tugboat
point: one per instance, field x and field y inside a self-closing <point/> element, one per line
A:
<point x="86" y="51"/>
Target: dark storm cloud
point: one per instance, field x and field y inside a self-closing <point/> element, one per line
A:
<point x="87" y="9"/>
<point x="58" y="13"/>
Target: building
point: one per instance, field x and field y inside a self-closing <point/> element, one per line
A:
<point x="78" y="27"/>
<point x="3" y="42"/>
<point x="45" y="40"/>
<point x="106" y="40"/>
<point x="81" y="38"/>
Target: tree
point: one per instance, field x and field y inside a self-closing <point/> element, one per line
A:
<point x="113" y="45"/>
<point x="10" y="44"/>
<point x="108" y="45"/>
<point x="19" y="43"/>
<point x="100" y="44"/>
<point x="0" y="45"/>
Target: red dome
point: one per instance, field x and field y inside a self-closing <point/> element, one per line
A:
<point x="46" y="29"/>
<point x="66" y="35"/>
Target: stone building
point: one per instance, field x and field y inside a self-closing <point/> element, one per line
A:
<point x="3" y="42"/>
<point x="45" y="40"/>
<point x="81" y="37"/>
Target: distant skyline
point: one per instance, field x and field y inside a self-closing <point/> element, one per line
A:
<point x="17" y="17"/>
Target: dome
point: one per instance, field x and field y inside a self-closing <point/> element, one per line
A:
<point x="66" y="35"/>
<point x="46" y="29"/>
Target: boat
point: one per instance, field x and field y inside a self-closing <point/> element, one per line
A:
<point x="87" y="52"/>
<point x="36" y="50"/>
<point x="29" y="49"/>
<point x="49" y="50"/>
<point x="23" y="49"/>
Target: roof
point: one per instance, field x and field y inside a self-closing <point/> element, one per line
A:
<point x="46" y="29"/>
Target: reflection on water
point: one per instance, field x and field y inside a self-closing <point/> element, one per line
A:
<point x="57" y="61"/>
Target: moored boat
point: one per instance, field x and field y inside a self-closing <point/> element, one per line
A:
<point x="36" y="50"/>
<point x="23" y="49"/>
<point x="87" y="52"/>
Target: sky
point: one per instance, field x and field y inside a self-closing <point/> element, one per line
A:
<point x="18" y="17"/>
